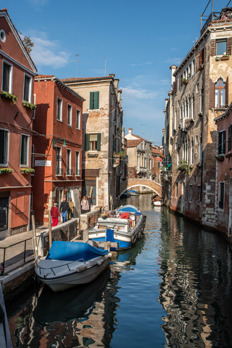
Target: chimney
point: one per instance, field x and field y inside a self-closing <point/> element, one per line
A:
<point x="130" y="131"/>
<point x="173" y="69"/>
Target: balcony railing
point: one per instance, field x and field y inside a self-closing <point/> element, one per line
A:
<point x="59" y="171"/>
<point x="68" y="171"/>
<point x="78" y="172"/>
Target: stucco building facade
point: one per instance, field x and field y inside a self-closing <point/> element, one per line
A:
<point x="57" y="146"/>
<point x="102" y="129"/>
<point x="17" y="72"/>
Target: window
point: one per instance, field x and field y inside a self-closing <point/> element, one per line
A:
<point x="221" y="195"/>
<point x="24" y="151"/>
<point x="69" y="118"/>
<point x="7" y="77"/>
<point x="220" y="94"/>
<point x="58" y="161"/>
<point x="59" y="109"/>
<point x="93" y="142"/>
<point x="68" y="164"/>
<point x="202" y="100"/>
<point x="78" y="119"/>
<point x="94" y="100"/>
<point x="229" y="137"/>
<point x="4" y="147"/>
<point x="77" y="166"/>
<point x="221" y="47"/>
<point x="222" y="143"/>
<point x="27" y="88"/>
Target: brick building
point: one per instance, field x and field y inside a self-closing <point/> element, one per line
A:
<point x="17" y="72"/>
<point x="57" y="146"/>
<point x="200" y="93"/>
<point x="103" y="156"/>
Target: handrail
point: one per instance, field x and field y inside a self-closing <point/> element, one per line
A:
<point x="3" y="264"/>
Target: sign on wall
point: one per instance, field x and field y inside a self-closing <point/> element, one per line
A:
<point x="43" y="163"/>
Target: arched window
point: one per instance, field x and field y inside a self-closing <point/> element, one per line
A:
<point x="220" y="94"/>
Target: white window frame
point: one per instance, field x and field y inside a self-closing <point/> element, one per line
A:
<point x="61" y="109"/>
<point x="30" y="88"/>
<point x="8" y="141"/>
<point x="79" y="119"/>
<point x="69" y="162"/>
<point x="11" y="75"/>
<point x="28" y="142"/>
<point x="77" y="164"/>
<point x="60" y="161"/>
<point x="69" y="115"/>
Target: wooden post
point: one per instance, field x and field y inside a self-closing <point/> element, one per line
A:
<point x="49" y="228"/>
<point x="34" y="236"/>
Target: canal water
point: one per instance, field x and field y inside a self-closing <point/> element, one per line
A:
<point x="172" y="289"/>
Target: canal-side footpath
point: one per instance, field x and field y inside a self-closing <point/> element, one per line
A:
<point x="18" y="252"/>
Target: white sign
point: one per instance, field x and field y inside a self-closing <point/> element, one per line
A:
<point x="43" y="163"/>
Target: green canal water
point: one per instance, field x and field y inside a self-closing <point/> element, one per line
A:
<point x="172" y="289"/>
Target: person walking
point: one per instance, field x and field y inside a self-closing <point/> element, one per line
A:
<point x="64" y="207"/>
<point x="84" y="205"/>
<point x="55" y="214"/>
<point x="71" y="208"/>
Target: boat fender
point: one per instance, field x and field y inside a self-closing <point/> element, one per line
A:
<point x="81" y="268"/>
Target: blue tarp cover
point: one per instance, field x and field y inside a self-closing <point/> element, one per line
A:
<point x="72" y="251"/>
<point x="130" y="209"/>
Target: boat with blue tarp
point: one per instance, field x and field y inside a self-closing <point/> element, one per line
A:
<point x="71" y="263"/>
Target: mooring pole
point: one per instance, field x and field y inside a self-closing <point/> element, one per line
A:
<point x="50" y="228"/>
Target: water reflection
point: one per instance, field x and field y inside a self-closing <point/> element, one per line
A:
<point x="196" y="285"/>
<point x="172" y="289"/>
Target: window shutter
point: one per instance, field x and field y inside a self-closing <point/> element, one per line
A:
<point x="224" y="142"/>
<point x="96" y="100"/>
<point x="86" y="142"/>
<point x="229" y="137"/>
<point x="213" y="48"/>
<point x="91" y="100"/>
<point x="98" y="141"/>
<point x="226" y="92"/>
<point x="211" y="94"/>
<point x="229" y="46"/>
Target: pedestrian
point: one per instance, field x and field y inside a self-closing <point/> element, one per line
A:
<point x="55" y="214"/>
<point x="71" y="208"/>
<point x="84" y="205"/>
<point x="64" y="207"/>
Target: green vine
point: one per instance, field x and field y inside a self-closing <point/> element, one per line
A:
<point x="29" y="105"/>
<point x="27" y="170"/>
<point x="9" y="96"/>
<point x="6" y="170"/>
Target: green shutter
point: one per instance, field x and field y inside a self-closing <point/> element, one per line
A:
<point x="91" y="99"/>
<point x="96" y="100"/>
<point x="98" y="141"/>
<point x="86" y="142"/>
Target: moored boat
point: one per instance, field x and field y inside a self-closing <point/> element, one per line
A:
<point x="123" y="227"/>
<point x="69" y="264"/>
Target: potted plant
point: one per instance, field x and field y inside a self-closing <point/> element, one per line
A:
<point x="29" y="105"/>
<point x="27" y="170"/>
<point x="183" y="166"/>
<point x="184" y="81"/>
<point x="220" y="157"/>
<point x="9" y="96"/>
<point x="6" y="170"/>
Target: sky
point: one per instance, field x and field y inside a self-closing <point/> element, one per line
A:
<point x="137" y="41"/>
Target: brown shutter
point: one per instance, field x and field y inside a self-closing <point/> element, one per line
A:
<point x="200" y="58"/>
<point x="211" y="94"/>
<point x="229" y="46"/>
<point x="226" y="92"/>
<point x="213" y="48"/>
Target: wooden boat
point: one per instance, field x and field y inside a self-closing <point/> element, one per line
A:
<point x="71" y="263"/>
<point x="158" y="203"/>
<point x="123" y="227"/>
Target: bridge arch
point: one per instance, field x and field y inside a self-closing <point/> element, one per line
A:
<point x="152" y="185"/>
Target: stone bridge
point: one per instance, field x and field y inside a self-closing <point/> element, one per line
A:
<point x="153" y="185"/>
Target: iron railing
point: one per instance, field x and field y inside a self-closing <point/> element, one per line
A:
<point x="12" y="259"/>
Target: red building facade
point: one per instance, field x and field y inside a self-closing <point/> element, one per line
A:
<point x="17" y="72"/>
<point x="57" y="146"/>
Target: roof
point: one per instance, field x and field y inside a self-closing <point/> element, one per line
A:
<point x="133" y="143"/>
<point x="225" y="114"/>
<point x="4" y="13"/>
<point x="80" y="79"/>
<point x="59" y="82"/>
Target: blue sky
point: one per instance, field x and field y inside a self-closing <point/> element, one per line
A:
<point x="140" y="40"/>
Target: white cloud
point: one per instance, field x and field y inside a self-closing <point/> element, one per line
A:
<point x="141" y="64"/>
<point x="47" y="52"/>
<point x="133" y="93"/>
<point x="173" y="61"/>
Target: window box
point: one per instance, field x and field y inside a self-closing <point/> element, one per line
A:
<point x="225" y="57"/>
<point x="6" y="170"/>
<point x="29" y="105"/>
<point x="220" y="157"/>
<point x="184" y="166"/>
<point x="218" y="59"/>
<point x="9" y="96"/>
<point x="27" y="170"/>
<point x="92" y="155"/>
<point x="184" y="82"/>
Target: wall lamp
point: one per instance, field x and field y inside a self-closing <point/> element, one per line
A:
<point x="55" y="141"/>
